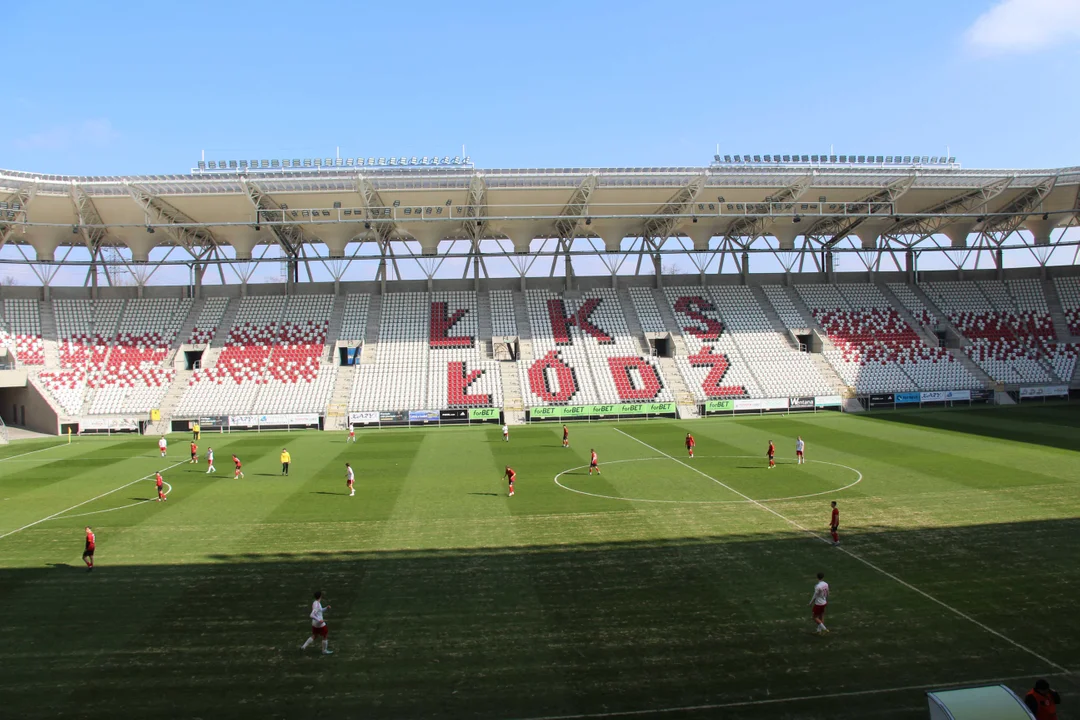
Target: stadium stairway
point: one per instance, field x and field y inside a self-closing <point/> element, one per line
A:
<point x="685" y="405"/>
<point x="185" y="330"/>
<point x="217" y="343"/>
<point x="483" y="324"/>
<point x="371" y="332"/>
<point x="633" y="322"/>
<point x="333" y="330"/>
<point x="337" y="417"/>
<point x="1057" y="312"/>
<point x="169" y="401"/>
<point x="48" y="335"/>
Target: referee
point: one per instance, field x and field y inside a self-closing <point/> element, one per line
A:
<point x="285" y="460"/>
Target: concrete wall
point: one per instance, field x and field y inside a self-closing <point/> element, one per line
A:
<point x="39" y="415"/>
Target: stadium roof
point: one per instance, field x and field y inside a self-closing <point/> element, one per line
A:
<point x="753" y="206"/>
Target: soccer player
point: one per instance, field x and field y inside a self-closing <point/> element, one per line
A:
<point x="820" y="601"/>
<point x="565" y="436"/>
<point x="286" y="458"/>
<point x="210" y="461"/>
<point x="506" y="432"/>
<point x="350" y="479"/>
<point x="352" y="434"/>
<point x="593" y="464"/>
<point x="195" y="431"/>
<point x="800" y="446"/>
<point x="160" y="487"/>
<point x="194" y="452"/>
<point x="834" y="524"/>
<point x="510" y="477"/>
<point x="318" y="625"/>
<point x="690" y="443"/>
<point x="88" y="550"/>
<point x="772" y="455"/>
<point x="238" y="471"/>
<point x="162" y="445"/>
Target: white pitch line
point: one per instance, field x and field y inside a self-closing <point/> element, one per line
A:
<point x="84" y="502"/>
<point x="707" y="502"/>
<point x="780" y="700"/>
<point x="51" y="447"/>
<point x="852" y="555"/>
<point x="122" y="507"/>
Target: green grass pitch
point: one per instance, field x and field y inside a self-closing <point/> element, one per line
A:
<point x="652" y="587"/>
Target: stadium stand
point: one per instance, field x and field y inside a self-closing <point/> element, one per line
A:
<point x="206" y="325"/>
<point x="874" y="349"/>
<point x="271" y="362"/>
<point x="428" y="356"/>
<point x="1007" y="340"/>
<point x="354" y="324"/>
<point x="1069" y="292"/>
<point x="780" y="369"/>
<point x="584" y="353"/>
<point x="503" y="319"/>
<point x="647" y="311"/>
<point x="23" y="331"/>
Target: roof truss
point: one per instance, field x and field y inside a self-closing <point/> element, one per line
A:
<point x="179" y="225"/>
<point x="16" y="204"/>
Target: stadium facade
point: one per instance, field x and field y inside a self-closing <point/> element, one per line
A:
<point x="438" y="293"/>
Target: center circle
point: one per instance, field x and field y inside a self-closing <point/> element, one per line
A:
<point x="706" y="477"/>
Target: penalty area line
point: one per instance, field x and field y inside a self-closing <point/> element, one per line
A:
<point x="84" y="502"/>
<point x="853" y="556"/>
<point x="781" y="700"/>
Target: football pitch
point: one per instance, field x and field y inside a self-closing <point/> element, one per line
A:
<point x="664" y="587"/>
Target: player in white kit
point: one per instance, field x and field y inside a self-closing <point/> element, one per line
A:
<point x="800" y="446"/>
<point x="819" y="602"/>
<point x="318" y="625"/>
<point x="162" y="445"/>
<point x="210" y="461"/>
<point x="506" y="433"/>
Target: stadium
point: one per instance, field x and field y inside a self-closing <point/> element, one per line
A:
<point x="665" y="585"/>
<point x="606" y="411"/>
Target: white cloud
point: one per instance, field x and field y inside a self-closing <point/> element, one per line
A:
<point x="97" y="132"/>
<point x="1018" y="26"/>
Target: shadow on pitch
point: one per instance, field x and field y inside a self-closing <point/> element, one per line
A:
<point x="325" y="492"/>
<point x="487" y="494"/>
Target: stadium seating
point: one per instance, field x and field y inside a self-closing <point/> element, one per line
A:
<point x="911" y="302"/>
<point x="779" y="368"/>
<point x="713" y="368"/>
<point x="354" y="322"/>
<point x="428" y="357"/>
<point x="874" y="349"/>
<point x="647" y="311"/>
<point x="206" y="325"/>
<point x="503" y="318"/>
<point x="584" y="353"/>
<point x="272" y="361"/>
<point x="1069" y="293"/>
<point x="23" y="331"/>
<point x="1008" y="340"/>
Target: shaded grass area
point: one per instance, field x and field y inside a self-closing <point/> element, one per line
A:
<point x="451" y="600"/>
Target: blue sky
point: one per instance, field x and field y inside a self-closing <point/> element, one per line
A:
<point x="144" y="87"/>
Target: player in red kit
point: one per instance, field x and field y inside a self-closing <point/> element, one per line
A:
<point x="88" y="550"/>
<point x="160" y="487"/>
<point x="238" y="473"/>
<point x="690" y="443"/>
<point x="593" y="464"/>
<point x="834" y="524"/>
<point x="565" y="436"/>
<point x="510" y="477"/>
<point x="772" y="455"/>
<point x="194" y="452"/>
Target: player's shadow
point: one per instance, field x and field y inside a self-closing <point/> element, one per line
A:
<point x="142" y="499"/>
<point x="487" y="494"/>
<point x="324" y="492"/>
<point x="58" y="565"/>
<point x="751" y="467"/>
<point x="270" y="475"/>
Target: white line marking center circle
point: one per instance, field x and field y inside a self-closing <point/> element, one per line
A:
<point x="858" y="479"/>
